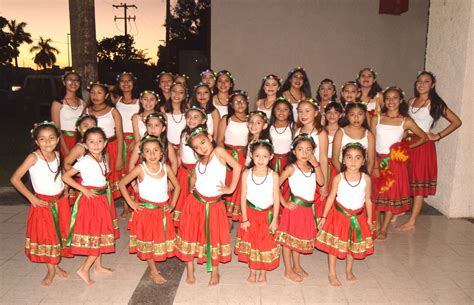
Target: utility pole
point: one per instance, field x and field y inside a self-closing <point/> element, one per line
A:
<point x="125" y="18"/>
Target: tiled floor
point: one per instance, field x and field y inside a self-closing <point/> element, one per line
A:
<point x="432" y="265"/>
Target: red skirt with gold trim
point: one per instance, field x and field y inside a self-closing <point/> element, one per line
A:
<point x="233" y="201"/>
<point x="257" y="246"/>
<point x="297" y="229"/>
<point x="93" y="232"/>
<point x="423" y="168"/>
<point x="42" y="241"/>
<point x="397" y="198"/>
<point x="184" y="176"/>
<point x="152" y="233"/>
<point x="278" y="163"/>
<point x="191" y="239"/>
<point x="336" y="237"/>
<point x="115" y="175"/>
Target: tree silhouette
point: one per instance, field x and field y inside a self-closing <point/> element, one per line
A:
<point x="18" y="37"/>
<point x="45" y="56"/>
<point x="6" y="50"/>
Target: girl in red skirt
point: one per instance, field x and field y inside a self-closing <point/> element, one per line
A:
<point x="202" y="98"/>
<point x="127" y="105"/>
<point x="268" y="94"/>
<point x="282" y="124"/>
<point x="333" y="114"/>
<point x="204" y="230"/>
<point x="225" y="86"/>
<point x="66" y="109"/>
<point x="370" y="91"/>
<point x="49" y="215"/>
<point x="426" y="109"/>
<point x="255" y="244"/>
<point x="110" y="121"/>
<point x="187" y="159"/>
<point x="344" y="230"/>
<point x="149" y="101"/>
<point x="297" y="228"/>
<point x="175" y="111"/>
<point x="233" y="136"/>
<point x="94" y="225"/>
<point x="392" y="188"/>
<point x="152" y="233"/>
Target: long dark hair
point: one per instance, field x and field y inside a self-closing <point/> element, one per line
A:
<point x="375" y="88"/>
<point x="317" y="120"/>
<point x="163" y="138"/>
<point x="168" y="107"/>
<point x="361" y="149"/>
<point x="403" y="108"/>
<point x="306" y="88"/>
<point x="345" y="120"/>
<point x="117" y="91"/>
<point x="230" y="105"/>
<point x="227" y="74"/>
<point x="79" y="121"/>
<point x="260" y="143"/>
<point x="327" y="81"/>
<point x="348" y="83"/>
<point x="158" y="101"/>
<point x="261" y="91"/>
<point x="97" y="130"/>
<point x="159" y="91"/>
<point x="62" y="91"/>
<point x="292" y="156"/>
<point x="291" y="119"/>
<point x="48" y="125"/>
<point x="265" y="134"/>
<point x="209" y="105"/>
<point x="104" y="87"/>
<point x="438" y="105"/>
<point x="336" y="106"/>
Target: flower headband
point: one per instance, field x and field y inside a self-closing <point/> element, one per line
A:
<point x="163" y="73"/>
<point x="296" y="70"/>
<point x="272" y="76"/>
<point x="353" y="145"/>
<point x="208" y="71"/>
<point x="199" y="109"/>
<point x="302" y="136"/>
<point x="67" y="73"/>
<point x="44" y="123"/>
<point x="126" y="73"/>
<point x="151" y="92"/>
<point x="157" y="115"/>
<point x="195" y="132"/>
<point x="426" y="72"/>
<point x="182" y="75"/>
<point x="396" y="88"/>
<point x="327" y="81"/>
<point x="227" y="73"/>
<point x="84" y="117"/>
<point x="367" y="69"/>
<point x="265" y="142"/>
<point x="261" y="114"/>
<point x="97" y="83"/>
<point x="353" y="83"/>
<point x="201" y="84"/>
<point x="312" y="101"/>
<point x="239" y="92"/>
<point x="146" y="139"/>
<point x="283" y="99"/>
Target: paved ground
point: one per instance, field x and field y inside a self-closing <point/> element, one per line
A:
<point x="433" y="265"/>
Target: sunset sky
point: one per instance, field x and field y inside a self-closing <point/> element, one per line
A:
<point x="50" y="19"/>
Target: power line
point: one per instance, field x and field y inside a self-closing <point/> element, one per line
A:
<point x="125" y="18"/>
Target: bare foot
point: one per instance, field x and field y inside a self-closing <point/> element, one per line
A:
<point x="382" y="236"/>
<point x="190" y="278"/>
<point x="48" y="279"/>
<point x="301" y="272"/>
<point x="407" y="226"/>
<point x="215" y="277"/>
<point x="61" y="273"/>
<point x="262" y="278"/>
<point x="157" y="278"/>
<point x="350" y="276"/>
<point x="334" y="281"/>
<point x="85" y="276"/>
<point x="395" y="217"/>
<point x="102" y="269"/>
<point x="252" y="277"/>
<point x="295" y="277"/>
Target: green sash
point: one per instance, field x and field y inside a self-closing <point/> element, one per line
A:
<point x="152" y="206"/>
<point x="53" y="206"/>
<point x="206" y="229"/>
<point x="235" y="151"/>
<point x="305" y="204"/>
<point x="190" y="171"/>
<point x="354" y="223"/>
<point x="68" y="133"/>
<point x="124" y="151"/>
<point x="270" y="211"/>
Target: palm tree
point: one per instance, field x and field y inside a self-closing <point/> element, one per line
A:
<point x="18" y="36"/>
<point x="45" y="56"/>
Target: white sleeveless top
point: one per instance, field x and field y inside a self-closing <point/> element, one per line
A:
<point x="222" y="109"/>
<point x="91" y="171"/>
<point x="371" y="105"/>
<point x="141" y="126"/>
<point x="346" y="140"/>
<point x="106" y="122"/>
<point x="127" y="111"/>
<point x="351" y="197"/>
<point x="386" y="135"/>
<point x="281" y="139"/>
<point x="301" y="185"/>
<point x="186" y="153"/>
<point x="421" y="116"/>
<point x="153" y="189"/>
<point x="175" y="125"/>
<point x="210" y="124"/>
<point x="209" y="177"/>
<point x="43" y="179"/>
<point x="236" y="133"/>
<point x="268" y="112"/>
<point x="314" y="135"/>
<point x="69" y="115"/>
<point x="330" y="142"/>
<point x="295" y="111"/>
<point x="261" y="194"/>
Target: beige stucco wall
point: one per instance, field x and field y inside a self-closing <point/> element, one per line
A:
<point x="330" y="38"/>
<point x="449" y="55"/>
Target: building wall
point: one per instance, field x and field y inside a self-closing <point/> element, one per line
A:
<point x="329" y="38"/>
<point x="449" y="55"/>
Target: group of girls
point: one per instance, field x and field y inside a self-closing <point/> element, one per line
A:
<point x="297" y="173"/>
